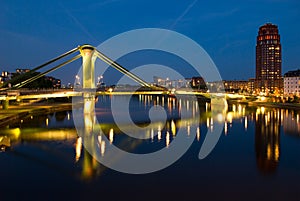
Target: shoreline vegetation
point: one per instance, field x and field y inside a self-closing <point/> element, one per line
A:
<point x="15" y="112"/>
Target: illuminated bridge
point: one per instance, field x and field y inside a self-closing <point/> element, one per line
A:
<point x="88" y="54"/>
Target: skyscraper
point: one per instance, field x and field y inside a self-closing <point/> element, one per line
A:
<point x="268" y="59"/>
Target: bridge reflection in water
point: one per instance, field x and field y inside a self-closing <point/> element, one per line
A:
<point x="43" y="129"/>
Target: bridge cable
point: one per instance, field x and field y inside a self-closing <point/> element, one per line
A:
<point x="123" y="70"/>
<point x="21" y="84"/>
<point x="43" y="65"/>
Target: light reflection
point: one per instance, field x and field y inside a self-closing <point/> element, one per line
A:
<point x="47" y="121"/>
<point x="167" y="139"/>
<point x="111" y="135"/>
<point x="246" y="123"/>
<point x="198" y="133"/>
<point x="152" y="134"/>
<point x="267" y="141"/>
<point x="240" y="109"/>
<point x="187" y="105"/>
<point x="159" y="133"/>
<point x="173" y="127"/>
<point x="102" y="148"/>
<point x="78" y="147"/>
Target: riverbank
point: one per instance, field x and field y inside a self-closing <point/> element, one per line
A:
<point x="295" y="106"/>
<point x="15" y="112"/>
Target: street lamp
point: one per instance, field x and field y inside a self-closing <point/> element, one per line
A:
<point x="77" y="78"/>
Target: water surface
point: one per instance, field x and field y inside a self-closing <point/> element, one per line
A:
<point x="256" y="157"/>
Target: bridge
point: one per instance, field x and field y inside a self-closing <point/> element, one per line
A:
<point x="88" y="54"/>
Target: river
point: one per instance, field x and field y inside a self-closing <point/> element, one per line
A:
<point x="255" y="158"/>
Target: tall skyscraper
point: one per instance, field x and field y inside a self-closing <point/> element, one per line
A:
<point x="268" y="59"/>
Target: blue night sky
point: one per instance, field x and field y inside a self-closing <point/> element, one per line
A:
<point x="32" y="32"/>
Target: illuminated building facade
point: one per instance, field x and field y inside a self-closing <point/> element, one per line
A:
<point x="235" y="85"/>
<point x="292" y="83"/>
<point x="268" y="60"/>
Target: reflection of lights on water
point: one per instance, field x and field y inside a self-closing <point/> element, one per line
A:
<point x="47" y="121"/>
<point x="229" y="117"/>
<point x="173" y="127"/>
<point x="159" y="133"/>
<point x="269" y="152"/>
<point x="163" y="101"/>
<point x="244" y="111"/>
<point x="276" y="152"/>
<point x="262" y="110"/>
<point x="99" y="139"/>
<point x="78" y="147"/>
<point x="246" y="123"/>
<point x="174" y="104"/>
<point x="207" y="122"/>
<point x="225" y="128"/>
<point x="240" y="109"/>
<point x="31" y="117"/>
<point x="167" y="139"/>
<point x="187" y="105"/>
<point x="179" y="106"/>
<point x="188" y="129"/>
<point x="152" y="134"/>
<point x="297" y="118"/>
<point x="111" y="135"/>
<point x="282" y="116"/>
<point x="234" y="108"/>
<point x="220" y="117"/>
<point x="206" y="106"/>
<point x="198" y="133"/>
<point x="102" y="148"/>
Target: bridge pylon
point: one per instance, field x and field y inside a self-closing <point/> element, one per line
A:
<point x="88" y="66"/>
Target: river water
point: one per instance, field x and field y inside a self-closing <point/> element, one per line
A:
<point x="255" y="158"/>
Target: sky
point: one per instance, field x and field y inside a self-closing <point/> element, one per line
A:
<point x="32" y="32"/>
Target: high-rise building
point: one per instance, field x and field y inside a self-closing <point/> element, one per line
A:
<point x="268" y="60"/>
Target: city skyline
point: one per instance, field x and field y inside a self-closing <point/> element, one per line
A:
<point x="36" y="32"/>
